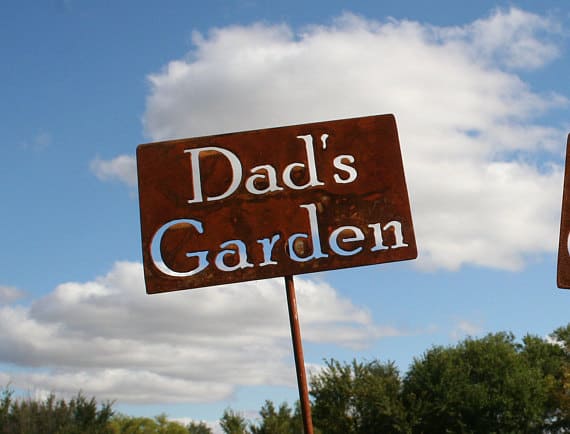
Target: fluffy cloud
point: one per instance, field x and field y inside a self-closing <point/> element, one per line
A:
<point x="122" y="168"/>
<point x="508" y="39"/>
<point x="484" y="174"/>
<point x="9" y="294"/>
<point x="109" y="339"/>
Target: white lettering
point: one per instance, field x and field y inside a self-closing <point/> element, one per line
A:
<point x="312" y="167"/>
<point x="156" y="253"/>
<point x="270" y="176"/>
<point x="241" y="252"/>
<point x="333" y="240"/>
<point x="232" y="255"/>
<point x="264" y="178"/>
<point x="316" y="241"/>
<point x="267" y="245"/>
<point x="378" y="239"/>
<point x="397" y="227"/>
<point x="197" y="180"/>
<point x="350" y="171"/>
<point x="324" y="138"/>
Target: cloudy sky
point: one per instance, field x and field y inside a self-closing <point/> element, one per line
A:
<point x="480" y="93"/>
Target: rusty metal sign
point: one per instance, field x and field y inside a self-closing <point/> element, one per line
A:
<point x="563" y="274"/>
<point x="273" y="202"/>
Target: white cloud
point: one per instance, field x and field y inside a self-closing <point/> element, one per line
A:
<point x="509" y="38"/>
<point x="478" y="161"/>
<point x="465" y="328"/>
<point x="122" y="168"/>
<point x="108" y="338"/>
<point x="9" y="294"/>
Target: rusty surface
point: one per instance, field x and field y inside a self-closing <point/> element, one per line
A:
<point x="377" y="196"/>
<point x="563" y="273"/>
<point x="299" y="357"/>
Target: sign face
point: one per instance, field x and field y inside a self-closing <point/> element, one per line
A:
<point x="273" y="202"/>
<point x="563" y="275"/>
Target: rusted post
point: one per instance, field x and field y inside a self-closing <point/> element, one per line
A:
<point x="298" y="352"/>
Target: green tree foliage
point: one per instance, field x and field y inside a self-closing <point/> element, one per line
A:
<point x="555" y="363"/>
<point x="233" y="422"/>
<point x="145" y="425"/>
<point x="358" y="398"/>
<point x="130" y="425"/>
<point x="198" y="428"/>
<point x="78" y="415"/>
<point x="487" y="385"/>
<point x="552" y="361"/>
<point x="280" y="421"/>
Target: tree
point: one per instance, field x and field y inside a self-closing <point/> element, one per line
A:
<point x="553" y="358"/>
<point x="361" y="398"/>
<point x="199" y="428"/>
<point x="166" y="426"/>
<point x="377" y="398"/>
<point x="233" y="422"/>
<point x="134" y="425"/>
<point x="282" y="421"/>
<point x="479" y="386"/>
<point x="52" y="416"/>
<point x="160" y="424"/>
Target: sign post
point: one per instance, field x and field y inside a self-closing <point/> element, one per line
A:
<point x="298" y="354"/>
<point x="563" y="272"/>
<point x="274" y="203"/>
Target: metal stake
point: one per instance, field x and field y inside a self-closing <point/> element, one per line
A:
<point x="298" y="352"/>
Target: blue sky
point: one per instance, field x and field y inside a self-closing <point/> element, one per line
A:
<point x="480" y="92"/>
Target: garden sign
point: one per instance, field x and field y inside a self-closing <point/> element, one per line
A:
<point x="273" y="202"/>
